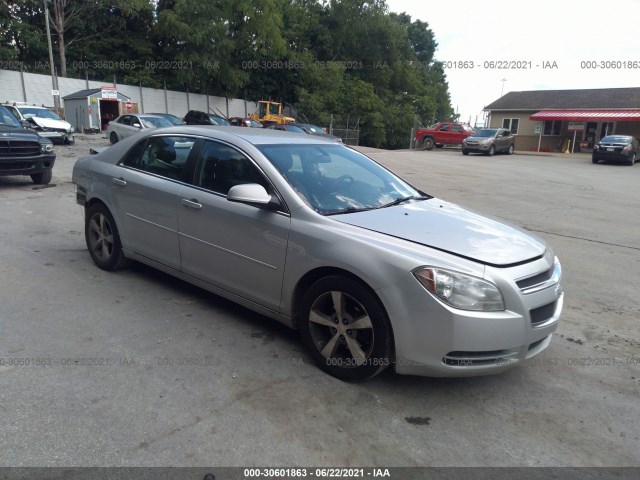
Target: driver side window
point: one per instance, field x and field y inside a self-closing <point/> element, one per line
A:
<point x="221" y="167"/>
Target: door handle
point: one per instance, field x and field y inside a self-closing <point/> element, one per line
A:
<point x="193" y="203"/>
<point x="119" y="181"/>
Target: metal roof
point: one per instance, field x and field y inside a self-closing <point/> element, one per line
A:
<point x="588" y="99"/>
<point x="88" y="93"/>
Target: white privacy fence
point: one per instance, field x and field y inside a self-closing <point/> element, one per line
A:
<point x="17" y="86"/>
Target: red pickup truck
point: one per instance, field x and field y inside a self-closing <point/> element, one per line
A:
<point x="441" y="134"/>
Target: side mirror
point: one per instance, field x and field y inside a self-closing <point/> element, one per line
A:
<point x="251" y="193"/>
<point x="26" y="123"/>
<point x="136" y="125"/>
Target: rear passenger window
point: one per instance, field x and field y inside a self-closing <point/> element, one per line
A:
<point x="221" y="167"/>
<point x="132" y="158"/>
<point x="165" y="156"/>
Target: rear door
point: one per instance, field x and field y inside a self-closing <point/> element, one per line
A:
<point x="146" y="195"/>
<point x="234" y="246"/>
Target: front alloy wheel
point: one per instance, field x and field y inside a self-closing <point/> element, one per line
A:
<point x="345" y="329"/>
<point x="492" y="151"/>
<point x="103" y="240"/>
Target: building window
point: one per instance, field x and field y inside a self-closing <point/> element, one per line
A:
<point x="511" y="124"/>
<point x="552" y="127"/>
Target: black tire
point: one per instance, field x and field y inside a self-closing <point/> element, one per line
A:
<point x="492" y="151"/>
<point x="427" y="143"/>
<point x="102" y="238"/>
<point x="70" y="140"/>
<point x="113" y="138"/>
<point x="370" y="342"/>
<point x="594" y="160"/>
<point x="632" y="160"/>
<point x="42" y="178"/>
<point x="465" y="152"/>
<point x="510" y="151"/>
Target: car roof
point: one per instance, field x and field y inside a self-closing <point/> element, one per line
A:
<point x="256" y="136"/>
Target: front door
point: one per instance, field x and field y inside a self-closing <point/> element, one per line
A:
<point x="237" y="247"/>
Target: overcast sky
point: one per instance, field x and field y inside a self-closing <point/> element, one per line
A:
<point x="540" y="31"/>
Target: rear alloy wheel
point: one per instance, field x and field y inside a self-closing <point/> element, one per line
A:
<point x="113" y="138"/>
<point x="345" y="329"/>
<point x="42" y="178"/>
<point x="103" y="240"/>
<point x="510" y="151"/>
<point x="492" y="151"/>
<point x="427" y="143"/>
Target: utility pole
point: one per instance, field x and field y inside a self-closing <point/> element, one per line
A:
<point x="502" y="90"/>
<point x="54" y="78"/>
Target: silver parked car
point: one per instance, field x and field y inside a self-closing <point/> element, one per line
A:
<point x="489" y="141"/>
<point x="372" y="271"/>
<point x="126" y="125"/>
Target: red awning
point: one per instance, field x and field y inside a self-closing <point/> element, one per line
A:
<point x="588" y="115"/>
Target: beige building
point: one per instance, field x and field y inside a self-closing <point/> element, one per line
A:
<point x="550" y="120"/>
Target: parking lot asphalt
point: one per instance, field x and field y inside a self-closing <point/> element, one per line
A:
<point x="135" y="368"/>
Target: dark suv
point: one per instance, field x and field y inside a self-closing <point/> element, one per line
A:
<point x="196" y="117"/>
<point x="23" y="151"/>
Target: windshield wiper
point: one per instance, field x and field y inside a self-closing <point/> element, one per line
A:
<point x="400" y="200"/>
<point x="397" y="201"/>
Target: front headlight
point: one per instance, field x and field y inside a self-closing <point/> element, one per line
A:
<point x="46" y="147"/>
<point x="460" y="290"/>
<point x="71" y="130"/>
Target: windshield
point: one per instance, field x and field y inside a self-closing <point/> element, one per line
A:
<point x="489" y="132"/>
<point x="293" y="128"/>
<point x="335" y="179"/>
<point x="219" y="121"/>
<point x="155" y="122"/>
<point x="252" y="123"/>
<point x="7" y="118"/>
<point x="274" y="108"/>
<point x="173" y="119"/>
<point x="316" y="130"/>
<point x="38" y="112"/>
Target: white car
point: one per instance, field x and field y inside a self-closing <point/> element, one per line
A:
<point x="126" y="125"/>
<point x="44" y="121"/>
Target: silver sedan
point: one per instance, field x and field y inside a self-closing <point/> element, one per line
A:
<point x="126" y="125"/>
<point x="372" y="271"/>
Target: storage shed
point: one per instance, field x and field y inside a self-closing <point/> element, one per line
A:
<point x="93" y="109"/>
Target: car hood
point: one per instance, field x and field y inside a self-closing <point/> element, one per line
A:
<point x="50" y="123"/>
<point x="450" y="228"/>
<point x="18" y="133"/>
<point x="478" y="139"/>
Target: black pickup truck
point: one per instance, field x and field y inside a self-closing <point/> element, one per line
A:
<point x="23" y="151"/>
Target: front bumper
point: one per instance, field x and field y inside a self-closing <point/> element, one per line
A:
<point x="611" y="156"/>
<point x="476" y="148"/>
<point x="27" y="165"/>
<point x="433" y="339"/>
<point x="55" y="135"/>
